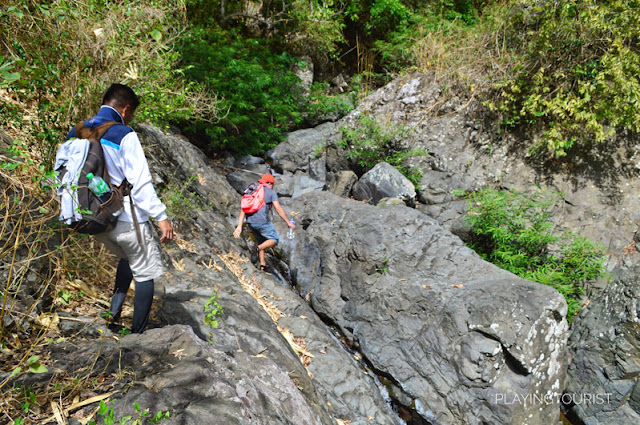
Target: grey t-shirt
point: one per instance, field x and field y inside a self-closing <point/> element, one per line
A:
<point x="262" y="215"/>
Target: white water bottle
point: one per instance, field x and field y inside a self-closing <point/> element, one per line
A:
<point x="99" y="187"/>
<point x="290" y="233"/>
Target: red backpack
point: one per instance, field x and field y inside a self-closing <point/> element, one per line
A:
<point x="252" y="198"/>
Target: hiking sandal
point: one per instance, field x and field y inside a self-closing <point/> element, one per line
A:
<point x="263" y="267"/>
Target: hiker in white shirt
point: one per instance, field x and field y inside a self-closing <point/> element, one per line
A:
<point x="124" y="158"/>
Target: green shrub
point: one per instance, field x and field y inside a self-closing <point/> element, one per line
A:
<point x="182" y="202"/>
<point x="386" y="15"/>
<point x="213" y="313"/>
<point x="515" y="231"/>
<point x="321" y="104"/>
<point x="367" y="143"/>
<point x="434" y="37"/>
<point x="7" y="77"/>
<point x="106" y="414"/>
<point x="258" y="90"/>
<point x="304" y="28"/>
<point x="56" y="84"/>
<point x="574" y="71"/>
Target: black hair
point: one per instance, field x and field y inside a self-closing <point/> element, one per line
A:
<point x="121" y="96"/>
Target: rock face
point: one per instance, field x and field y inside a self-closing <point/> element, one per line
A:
<point x="600" y="184"/>
<point x="600" y="187"/>
<point x="342" y="183"/>
<point x="382" y="294"/>
<point x="246" y="169"/>
<point x="458" y="338"/>
<point x="602" y="381"/>
<point x="384" y="181"/>
<point x="196" y="381"/>
<point x="174" y="161"/>
<point x="302" y="150"/>
<point x="260" y="314"/>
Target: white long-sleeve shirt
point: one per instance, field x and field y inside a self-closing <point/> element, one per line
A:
<point x="128" y="161"/>
<point x="125" y="158"/>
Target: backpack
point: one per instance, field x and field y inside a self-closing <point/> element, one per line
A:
<point x="80" y="207"/>
<point x="253" y="198"/>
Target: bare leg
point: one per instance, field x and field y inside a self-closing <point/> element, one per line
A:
<point x="269" y="243"/>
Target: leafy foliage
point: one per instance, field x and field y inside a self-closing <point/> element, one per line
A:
<point x="321" y="105"/>
<point x="61" y="83"/>
<point x="107" y="414"/>
<point x="305" y="28"/>
<point x="6" y="75"/>
<point x="516" y="232"/>
<point x="386" y="15"/>
<point x="212" y="313"/>
<point x="576" y="72"/>
<point x="260" y="93"/>
<point x="181" y="202"/>
<point x="368" y="143"/>
<point x="567" y="70"/>
<point x="435" y="36"/>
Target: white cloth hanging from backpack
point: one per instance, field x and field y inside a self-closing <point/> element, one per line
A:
<point x="71" y="155"/>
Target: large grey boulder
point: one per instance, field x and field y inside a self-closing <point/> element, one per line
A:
<point x="602" y="380"/>
<point x="303" y="150"/>
<point x="258" y="310"/>
<point x="244" y="170"/>
<point x="175" y="161"/>
<point x="342" y="183"/>
<point x="172" y="369"/>
<point x="302" y="183"/>
<point x="249" y="162"/>
<point x="240" y="179"/>
<point x="384" y="181"/>
<point x="457" y="338"/>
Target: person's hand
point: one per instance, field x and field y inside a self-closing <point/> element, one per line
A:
<point x="236" y="233"/>
<point x="167" y="231"/>
<point x="290" y="224"/>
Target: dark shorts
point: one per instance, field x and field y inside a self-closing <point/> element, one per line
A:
<point x="264" y="232"/>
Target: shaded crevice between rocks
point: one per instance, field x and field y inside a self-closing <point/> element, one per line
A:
<point x="298" y="344"/>
<point x="555" y="315"/>
<point x="510" y="360"/>
<point x="513" y="363"/>
<point x="408" y="414"/>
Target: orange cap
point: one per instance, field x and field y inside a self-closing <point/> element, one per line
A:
<point x="267" y="178"/>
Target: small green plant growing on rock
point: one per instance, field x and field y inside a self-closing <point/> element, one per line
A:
<point x="322" y="104"/>
<point x="108" y="417"/>
<point x="212" y="313"/>
<point x="515" y="231"/>
<point x="368" y="142"/>
<point x="180" y="201"/>
<point x="319" y="151"/>
<point x="383" y="267"/>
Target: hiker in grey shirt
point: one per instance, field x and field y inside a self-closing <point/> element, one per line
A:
<point x="260" y="223"/>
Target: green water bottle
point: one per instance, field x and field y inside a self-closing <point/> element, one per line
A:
<point x="99" y="187"/>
